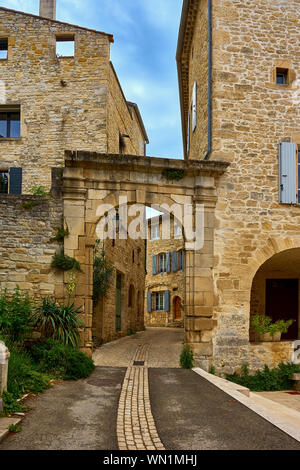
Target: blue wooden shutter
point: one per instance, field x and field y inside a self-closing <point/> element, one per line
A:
<point x="174" y="261"/>
<point x="167" y="301"/>
<point x="182" y="260"/>
<point x="154" y="265"/>
<point x="15" y="181"/>
<point x="194" y="107"/>
<point x="287" y="173"/>
<point x="149" y="302"/>
<point x="168" y="262"/>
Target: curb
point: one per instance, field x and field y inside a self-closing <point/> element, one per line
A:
<point x="4" y="426"/>
<point x="284" y="418"/>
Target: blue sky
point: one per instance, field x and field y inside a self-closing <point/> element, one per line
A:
<point x="143" y="54"/>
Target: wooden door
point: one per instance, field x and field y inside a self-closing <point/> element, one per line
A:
<point x="118" y="302"/>
<point x="177" y="308"/>
<point x="282" y="303"/>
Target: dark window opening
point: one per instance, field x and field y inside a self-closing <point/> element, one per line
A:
<point x="282" y="76"/>
<point x="4" y="182"/>
<point x="65" y="46"/>
<point x="10" y="124"/>
<point x="3" y="48"/>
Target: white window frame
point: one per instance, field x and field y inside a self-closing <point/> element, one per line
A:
<point x="162" y="263"/>
<point x="159" y="301"/>
<point x="155" y="232"/>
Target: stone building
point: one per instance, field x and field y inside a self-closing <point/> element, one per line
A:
<point x="239" y="77"/>
<point x="59" y="91"/>
<point x="165" y="285"/>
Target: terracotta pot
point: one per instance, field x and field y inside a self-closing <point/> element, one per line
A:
<point x="268" y="338"/>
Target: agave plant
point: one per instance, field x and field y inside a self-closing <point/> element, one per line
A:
<point x="59" y="322"/>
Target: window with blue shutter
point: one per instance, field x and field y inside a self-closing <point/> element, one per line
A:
<point x="168" y="262"/>
<point x="154" y="265"/>
<point x="287" y="173"/>
<point x="149" y="302"/>
<point x="194" y="107"/>
<point x="174" y="261"/>
<point x="167" y="301"/>
<point x="15" y="181"/>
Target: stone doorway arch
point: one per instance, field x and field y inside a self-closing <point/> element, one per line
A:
<point x="91" y="179"/>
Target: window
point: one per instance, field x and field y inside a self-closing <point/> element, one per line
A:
<point x="159" y="298"/>
<point x="155" y="232"/>
<point x="162" y="263"/>
<point x="4" y="182"/>
<point x="3" y="49"/>
<point x="288" y="171"/>
<point x="10" y="122"/>
<point x="177" y="230"/>
<point x="181" y="260"/>
<point x="282" y="76"/>
<point x="194" y="107"/>
<point x="65" y="46"/>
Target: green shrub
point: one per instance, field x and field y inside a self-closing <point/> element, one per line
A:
<point x="11" y="405"/>
<point x="102" y="272"/>
<point x="173" y="174"/>
<point x="187" y="358"/>
<point x="267" y="380"/>
<point x="65" y="263"/>
<point x="59" y="321"/>
<point x="16" y="320"/>
<point x="15" y="428"/>
<point x="61" y="233"/>
<point x="62" y="360"/>
<point x="263" y="324"/>
<point x="39" y="191"/>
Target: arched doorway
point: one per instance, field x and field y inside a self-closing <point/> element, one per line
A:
<point x="177" y="308"/>
<point x="275" y="291"/>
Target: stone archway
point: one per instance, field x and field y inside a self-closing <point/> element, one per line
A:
<point x="91" y="179"/>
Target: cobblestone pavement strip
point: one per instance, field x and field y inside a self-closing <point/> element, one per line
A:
<point x="136" y="428"/>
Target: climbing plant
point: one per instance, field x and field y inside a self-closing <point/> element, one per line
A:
<point x="102" y="272"/>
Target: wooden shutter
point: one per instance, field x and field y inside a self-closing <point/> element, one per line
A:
<point x="287" y="173"/>
<point x="182" y="260"/>
<point x="194" y="107"/>
<point x="168" y="262"/>
<point x="154" y="265"/>
<point x="149" y="302"/>
<point x="167" y="300"/>
<point x="174" y="261"/>
<point x="15" y="181"/>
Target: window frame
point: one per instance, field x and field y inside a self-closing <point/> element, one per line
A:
<point x="8" y="111"/>
<point x="64" y="38"/>
<point x="162" y="263"/>
<point x="159" y="301"/>
<point x="155" y="236"/>
<point x="285" y="73"/>
<point x="7" y="172"/>
<point x="2" y="40"/>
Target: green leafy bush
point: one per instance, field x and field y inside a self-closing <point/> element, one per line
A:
<point x="102" y="272"/>
<point x="16" y="320"/>
<point x="11" y="405"/>
<point x="60" y="235"/>
<point x="187" y="358"/>
<point x="65" y="263"/>
<point x="39" y="191"/>
<point x="60" y="322"/>
<point x="173" y="175"/>
<point x="62" y="360"/>
<point x="268" y="380"/>
<point x="263" y="324"/>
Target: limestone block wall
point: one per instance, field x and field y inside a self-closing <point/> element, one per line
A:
<point x="251" y="116"/>
<point x="25" y="247"/>
<point x="62" y="100"/>
<point x="122" y="119"/>
<point x="127" y="258"/>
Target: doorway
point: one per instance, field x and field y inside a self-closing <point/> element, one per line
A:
<point x="118" y="301"/>
<point x="282" y="303"/>
<point x="177" y="308"/>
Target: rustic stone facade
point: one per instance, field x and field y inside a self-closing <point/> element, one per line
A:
<point x="73" y="103"/>
<point x="173" y="281"/>
<point x="251" y="115"/>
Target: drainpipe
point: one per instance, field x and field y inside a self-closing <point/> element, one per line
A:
<point x="209" y="80"/>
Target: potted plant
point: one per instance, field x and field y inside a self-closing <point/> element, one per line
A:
<point x="268" y="331"/>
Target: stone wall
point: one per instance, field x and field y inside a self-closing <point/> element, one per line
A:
<point x="26" y="249"/>
<point x="63" y="100"/>
<point x="174" y="282"/>
<point x="251" y="116"/>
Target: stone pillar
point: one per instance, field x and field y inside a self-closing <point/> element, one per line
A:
<point x="4" y="356"/>
<point x="199" y="285"/>
<point x="48" y="9"/>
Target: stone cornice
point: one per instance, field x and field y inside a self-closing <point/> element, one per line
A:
<point x="143" y="164"/>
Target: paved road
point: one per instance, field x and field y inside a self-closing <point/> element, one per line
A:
<point x="155" y="406"/>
